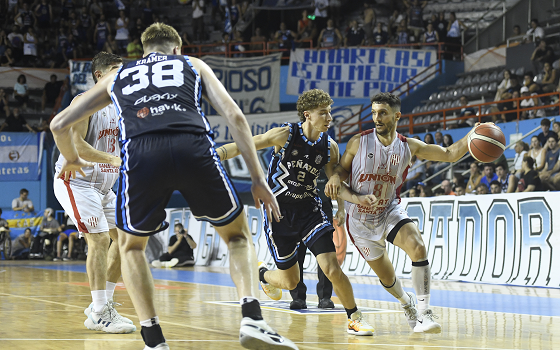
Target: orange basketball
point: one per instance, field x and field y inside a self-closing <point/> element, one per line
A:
<point x="486" y="143"/>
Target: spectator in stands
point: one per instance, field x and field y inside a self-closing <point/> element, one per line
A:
<point x="425" y="190"/>
<point x="305" y="28"/>
<point x="148" y="14"/>
<point x="44" y="15"/>
<point x="460" y="190"/>
<point x="543" y="53"/>
<point x="521" y="149"/>
<point x="355" y="36"/>
<point x="403" y="35"/>
<point x="415" y="173"/>
<point x="4" y="42"/>
<point x="395" y="21"/>
<point x="528" y="81"/>
<point x="438" y="138"/>
<point x="538" y="153"/>
<point x="415" y="10"/>
<point x="458" y="179"/>
<point x="30" y="48"/>
<point x="516" y="31"/>
<point x="369" y="22"/>
<point x="549" y="175"/>
<point x="121" y="26"/>
<point x="429" y="139"/>
<point x="71" y="49"/>
<point x="50" y="92"/>
<point x="180" y="250"/>
<point x="430" y="36"/>
<point x="238" y="48"/>
<point x="67" y="7"/>
<point x="95" y="9"/>
<point x="68" y="232"/>
<point x="454" y="35"/>
<point x="48" y="230"/>
<point x="21" y="91"/>
<point x="545" y="133"/>
<point x="439" y="192"/>
<point x="514" y="86"/>
<point x="530" y="182"/>
<point x="21" y="245"/>
<point x="503" y="178"/>
<point x="102" y="31"/>
<point x="466" y="111"/>
<point x="413" y="192"/>
<point x="529" y="100"/>
<point x="4" y="109"/>
<point x="22" y="202"/>
<point x="447" y="188"/>
<point x="85" y="33"/>
<point x="489" y="175"/>
<point x="134" y="48"/>
<point x="495" y="187"/>
<point x="16" y="40"/>
<point x="4" y="226"/>
<point x="321" y="14"/>
<point x="482" y="189"/>
<point x="7" y="59"/>
<point x="285" y="38"/>
<point x="504" y="85"/>
<point x="258" y="41"/>
<point x="198" y="7"/>
<point x="550" y="78"/>
<point x="26" y="17"/>
<point x="234" y="12"/>
<point x="440" y="24"/>
<point x="474" y="179"/>
<point x="556" y="127"/>
<point x="330" y="36"/>
<point x="15" y="122"/>
<point x="380" y="36"/>
<point x="535" y="33"/>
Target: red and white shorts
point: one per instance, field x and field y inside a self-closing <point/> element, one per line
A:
<point x="90" y="210"/>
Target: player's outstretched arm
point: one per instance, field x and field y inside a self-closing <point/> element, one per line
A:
<point x="88" y="152"/>
<point x="276" y="137"/>
<point x="437" y="153"/>
<point x="347" y="194"/>
<point x="217" y="95"/>
<point x="342" y="170"/>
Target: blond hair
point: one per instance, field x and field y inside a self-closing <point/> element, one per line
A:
<point x="160" y="35"/>
<point x="311" y="100"/>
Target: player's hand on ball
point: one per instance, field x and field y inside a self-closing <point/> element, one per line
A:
<point x="69" y="168"/>
<point x="261" y="192"/>
<point x="367" y="200"/>
<point x="332" y="188"/>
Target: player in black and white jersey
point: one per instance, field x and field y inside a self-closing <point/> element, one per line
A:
<point x="301" y="150"/>
<point x="166" y="145"/>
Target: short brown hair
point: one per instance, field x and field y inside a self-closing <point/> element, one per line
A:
<point x="102" y="61"/>
<point x="312" y="99"/>
<point x="161" y="35"/>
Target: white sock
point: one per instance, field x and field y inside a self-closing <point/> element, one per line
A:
<point x="110" y="290"/>
<point x="150" y="322"/>
<point x="421" y="280"/>
<point x="397" y="291"/>
<point x="99" y="299"/>
<point x="423" y="302"/>
<point x="247" y="300"/>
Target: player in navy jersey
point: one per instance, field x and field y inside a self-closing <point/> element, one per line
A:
<point x="300" y="151"/>
<point x="166" y="145"/>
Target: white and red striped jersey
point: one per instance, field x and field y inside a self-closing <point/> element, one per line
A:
<point x="379" y="170"/>
<point x="103" y="135"/>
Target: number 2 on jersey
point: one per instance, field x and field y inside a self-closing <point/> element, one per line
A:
<point x="160" y="77"/>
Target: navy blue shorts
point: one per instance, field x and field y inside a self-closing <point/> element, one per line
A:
<point x="301" y="223"/>
<point x="156" y="165"/>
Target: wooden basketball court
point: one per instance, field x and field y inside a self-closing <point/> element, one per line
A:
<point x="42" y="303"/>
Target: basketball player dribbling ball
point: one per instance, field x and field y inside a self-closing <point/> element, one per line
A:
<point x="166" y="145"/>
<point x="376" y="163"/>
<point x="300" y="151"/>
<point x="90" y="202"/>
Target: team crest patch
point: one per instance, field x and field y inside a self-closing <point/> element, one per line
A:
<point x="366" y="251"/>
<point x="143" y="113"/>
<point x="294" y="152"/>
<point x="395" y="159"/>
<point x="93" y="221"/>
<point x="370" y="155"/>
<point x="318" y="159"/>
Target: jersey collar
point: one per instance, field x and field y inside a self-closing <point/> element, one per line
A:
<point x="305" y="138"/>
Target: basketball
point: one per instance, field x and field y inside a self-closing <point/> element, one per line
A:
<point x="486" y="143"/>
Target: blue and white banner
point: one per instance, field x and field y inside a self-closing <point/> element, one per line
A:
<point x="355" y="72"/>
<point x="20" y="156"/>
<point x="253" y="82"/>
<point x="499" y="239"/>
<point x="80" y="76"/>
<point x="19" y="221"/>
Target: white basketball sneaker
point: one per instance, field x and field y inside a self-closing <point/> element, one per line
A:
<point x="162" y="346"/>
<point x="258" y="335"/>
<point x="410" y="310"/>
<point x="272" y="292"/>
<point x="112" y="304"/>
<point x="426" y="323"/>
<point x="107" y="322"/>
<point x="357" y="325"/>
<point x="170" y="263"/>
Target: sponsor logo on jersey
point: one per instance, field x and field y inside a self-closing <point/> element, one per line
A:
<point x="294" y="153"/>
<point x="163" y="108"/>
<point x="395" y="159"/>
<point x="155" y="97"/>
<point x="377" y="177"/>
<point x="318" y="159"/>
<point x="108" y="168"/>
<point x="370" y="155"/>
<point x="305" y="166"/>
<point x="108" y="132"/>
<point x="143" y="113"/>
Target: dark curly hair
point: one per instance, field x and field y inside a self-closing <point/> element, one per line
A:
<point x="311" y="100"/>
<point x="389" y="99"/>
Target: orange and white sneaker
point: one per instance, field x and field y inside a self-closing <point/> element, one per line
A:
<point x="357" y="325"/>
<point x="272" y="292"/>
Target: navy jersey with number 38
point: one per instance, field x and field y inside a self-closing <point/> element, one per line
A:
<point x="155" y="95"/>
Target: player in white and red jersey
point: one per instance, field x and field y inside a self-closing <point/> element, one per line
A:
<point x="376" y="163"/>
<point x="90" y="202"/>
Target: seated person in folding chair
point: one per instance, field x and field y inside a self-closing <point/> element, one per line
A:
<point x="180" y="250"/>
<point x="47" y="232"/>
<point x="70" y="232"/>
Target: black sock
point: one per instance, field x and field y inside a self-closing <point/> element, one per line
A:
<point x="153" y="336"/>
<point x="262" y="270"/>
<point x="349" y="312"/>
<point x="252" y="310"/>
